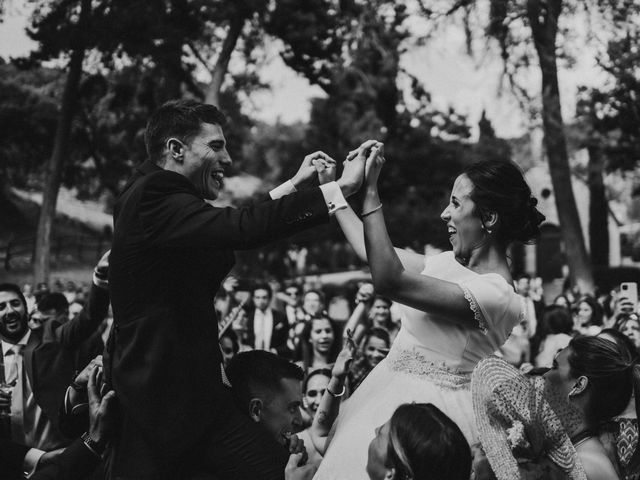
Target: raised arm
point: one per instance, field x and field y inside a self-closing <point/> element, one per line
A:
<point x="353" y="230"/>
<point x="390" y="277"/>
<point x="330" y="404"/>
<point x="352" y="226"/>
<point x="72" y="333"/>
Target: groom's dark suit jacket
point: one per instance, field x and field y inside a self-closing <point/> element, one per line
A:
<point x="170" y="252"/>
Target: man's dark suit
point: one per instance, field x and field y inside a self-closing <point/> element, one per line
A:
<point x="49" y="356"/>
<point x="170" y="252"/>
<point x="11" y="459"/>
<point x="279" y="331"/>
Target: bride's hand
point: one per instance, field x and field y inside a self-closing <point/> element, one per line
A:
<point x="375" y="160"/>
<point x="367" y="149"/>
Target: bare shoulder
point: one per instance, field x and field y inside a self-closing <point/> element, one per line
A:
<point x="596" y="462"/>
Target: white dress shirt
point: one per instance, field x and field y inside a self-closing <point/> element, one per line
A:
<point x="262" y="329"/>
<point x="330" y="191"/>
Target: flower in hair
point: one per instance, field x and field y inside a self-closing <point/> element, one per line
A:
<point x="516" y="436"/>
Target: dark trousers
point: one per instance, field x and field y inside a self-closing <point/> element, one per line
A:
<point x="235" y="448"/>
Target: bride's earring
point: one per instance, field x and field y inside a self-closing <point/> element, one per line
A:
<point x="488" y="230"/>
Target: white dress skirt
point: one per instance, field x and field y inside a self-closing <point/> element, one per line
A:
<point x="430" y="362"/>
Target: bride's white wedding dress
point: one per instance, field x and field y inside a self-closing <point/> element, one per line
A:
<point x="430" y="362"/>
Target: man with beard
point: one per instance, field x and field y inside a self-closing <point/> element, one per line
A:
<point x="171" y="250"/>
<point x="39" y="364"/>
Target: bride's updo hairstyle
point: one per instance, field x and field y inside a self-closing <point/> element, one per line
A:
<point x="500" y="187"/>
<point x="425" y="444"/>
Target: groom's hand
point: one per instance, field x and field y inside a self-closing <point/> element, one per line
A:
<point x="307" y="171"/>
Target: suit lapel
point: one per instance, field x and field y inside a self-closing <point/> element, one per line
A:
<point x="28" y="354"/>
<point x="1" y="365"/>
<point x="251" y="329"/>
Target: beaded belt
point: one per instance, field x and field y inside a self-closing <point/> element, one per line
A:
<point x="412" y="362"/>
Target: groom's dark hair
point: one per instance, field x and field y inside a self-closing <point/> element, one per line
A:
<point x="181" y="119"/>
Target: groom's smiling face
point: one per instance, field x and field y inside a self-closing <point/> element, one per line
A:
<point x="205" y="160"/>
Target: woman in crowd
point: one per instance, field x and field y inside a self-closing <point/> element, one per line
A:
<point x="375" y="348"/>
<point x="229" y="346"/>
<point x="629" y="325"/>
<point x="588" y="316"/>
<point x="556" y="330"/>
<point x="318" y="343"/>
<point x="462" y="303"/>
<point x="419" y="443"/>
<point x="562" y="301"/>
<point x="380" y="315"/>
<point x="313" y="388"/>
<point x="591" y="382"/>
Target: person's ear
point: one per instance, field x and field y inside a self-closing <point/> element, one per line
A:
<point x="489" y="221"/>
<point x="580" y="386"/>
<point x="255" y="409"/>
<point x="176" y="149"/>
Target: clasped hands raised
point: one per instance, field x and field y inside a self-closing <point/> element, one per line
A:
<point x="361" y="165"/>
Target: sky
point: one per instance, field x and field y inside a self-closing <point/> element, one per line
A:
<point x="470" y="85"/>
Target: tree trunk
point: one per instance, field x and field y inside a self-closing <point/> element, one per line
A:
<point x="220" y="70"/>
<point x="55" y="165"/>
<point x="543" y="18"/>
<point x="598" y="209"/>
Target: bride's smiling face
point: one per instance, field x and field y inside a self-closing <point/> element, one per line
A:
<point x="463" y="222"/>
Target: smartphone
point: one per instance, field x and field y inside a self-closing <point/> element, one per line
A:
<point x="629" y="290"/>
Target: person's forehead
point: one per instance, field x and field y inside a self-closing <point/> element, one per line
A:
<point x="8" y="295"/>
<point x="376" y="342"/>
<point x="210" y="132"/>
<point x="317" y="381"/>
<point x="260" y="292"/>
<point x="562" y="355"/>
<point x="462" y="187"/>
<point x="320" y="323"/>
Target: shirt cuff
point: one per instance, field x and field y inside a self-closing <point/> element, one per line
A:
<point x="333" y="196"/>
<point x="100" y="282"/>
<point x="280" y="191"/>
<point x="31" y="460"/>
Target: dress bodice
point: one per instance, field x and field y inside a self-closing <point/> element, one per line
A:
<point x="455" y="346"/>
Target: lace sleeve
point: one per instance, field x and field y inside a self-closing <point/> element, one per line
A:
<point x="495" y="305"/>
<point x="475" y="308"/>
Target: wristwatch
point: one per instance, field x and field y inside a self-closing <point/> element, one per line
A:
<point x="92" y="445"/>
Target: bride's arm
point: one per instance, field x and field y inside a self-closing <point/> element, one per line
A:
<point x="390" y="277"/>
<point x="352" y="227"/>
<point x="353" y="230"/>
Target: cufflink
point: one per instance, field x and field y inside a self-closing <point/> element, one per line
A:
<point x="331" y="205"/>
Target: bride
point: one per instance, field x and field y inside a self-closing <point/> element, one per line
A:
<point x="460" y="305"/>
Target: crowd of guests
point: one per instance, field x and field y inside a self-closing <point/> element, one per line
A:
<point x="287" y="359"/>
<point x="295" y="323"/>
<point x="549" y="327"/>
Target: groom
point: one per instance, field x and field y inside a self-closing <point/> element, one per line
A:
<point x="170" y="252"/>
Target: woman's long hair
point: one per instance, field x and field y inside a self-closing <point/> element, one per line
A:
<point x="425" y="444"/>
